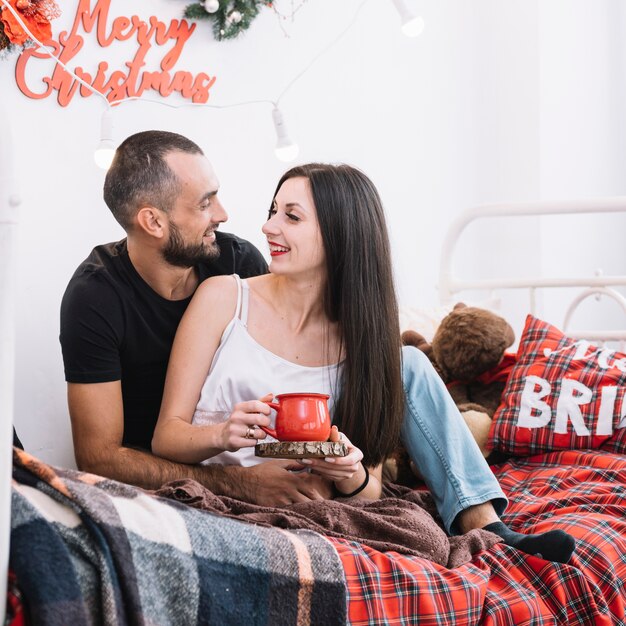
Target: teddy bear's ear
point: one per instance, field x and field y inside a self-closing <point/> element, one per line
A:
<point x="413" y="338"/>
<point x="459" y="305"/>
<point x="509" y="336"/>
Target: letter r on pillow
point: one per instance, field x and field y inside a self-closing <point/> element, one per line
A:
<point x="573" y="394"/>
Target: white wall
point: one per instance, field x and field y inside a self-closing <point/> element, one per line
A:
<point x="475" y="110"/>
<point x="583" y="142"/>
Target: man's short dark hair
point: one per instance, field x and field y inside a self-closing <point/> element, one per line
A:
<point x="140" y="175"/>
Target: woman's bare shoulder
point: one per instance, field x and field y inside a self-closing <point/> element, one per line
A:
<point x="217" y="285"/>
<point x="216" y="294"/>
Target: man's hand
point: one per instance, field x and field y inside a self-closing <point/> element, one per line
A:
<point x="274" y="483"/>
<point x="97" y="415"/>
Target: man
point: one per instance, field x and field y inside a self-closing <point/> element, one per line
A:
<point x="123" y="304"/>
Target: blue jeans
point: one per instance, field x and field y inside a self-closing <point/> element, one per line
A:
<point x="441" y="445"/>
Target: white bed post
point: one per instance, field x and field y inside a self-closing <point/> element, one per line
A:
<point x="9" y="202"/>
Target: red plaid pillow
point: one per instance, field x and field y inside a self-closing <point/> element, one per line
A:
<point x="562" y="394"/>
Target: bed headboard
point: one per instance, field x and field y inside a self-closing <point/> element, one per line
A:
<point x="451" y="285"/>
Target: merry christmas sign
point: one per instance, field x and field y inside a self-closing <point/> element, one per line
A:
<point x="37" y="77"/>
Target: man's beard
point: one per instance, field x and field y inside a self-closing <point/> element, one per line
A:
<point x="177" y="253"/>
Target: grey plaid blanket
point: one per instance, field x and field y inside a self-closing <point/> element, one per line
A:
<point x="87" y="550"/>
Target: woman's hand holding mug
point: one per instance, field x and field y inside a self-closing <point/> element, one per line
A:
<point x="242" y="429"/>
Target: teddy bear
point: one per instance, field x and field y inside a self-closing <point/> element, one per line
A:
<point x="468" y="351"/>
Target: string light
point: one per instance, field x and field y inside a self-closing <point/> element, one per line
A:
<point x="103" y="156"/>
<point x="412" y="25"/>
<point x="286" y="149"/>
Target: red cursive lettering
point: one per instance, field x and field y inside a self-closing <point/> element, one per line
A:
<point x="118" y="84"/>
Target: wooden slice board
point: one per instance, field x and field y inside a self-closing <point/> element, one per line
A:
<point x="300" y="449"/>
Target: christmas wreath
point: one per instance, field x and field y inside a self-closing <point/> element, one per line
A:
<point x="36" y="14"/>
<point x="230" y="18"/>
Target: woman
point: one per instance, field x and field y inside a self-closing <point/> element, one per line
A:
<point x="325" y="320"/>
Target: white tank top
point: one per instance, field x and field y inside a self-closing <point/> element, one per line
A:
<point x="242" y="370"/>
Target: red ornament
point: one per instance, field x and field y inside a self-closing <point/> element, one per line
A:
<point x="36" y="14"/>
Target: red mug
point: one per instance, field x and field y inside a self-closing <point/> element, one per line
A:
<point x="300" y="417"/>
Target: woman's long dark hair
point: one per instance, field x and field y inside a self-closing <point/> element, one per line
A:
<point x="360" y="297"/>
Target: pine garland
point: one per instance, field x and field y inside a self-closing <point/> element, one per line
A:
<point x="4" y="40"/>
<point x="224" y="26"/>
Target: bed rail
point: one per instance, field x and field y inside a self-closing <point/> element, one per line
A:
<point x="599" y="285"/>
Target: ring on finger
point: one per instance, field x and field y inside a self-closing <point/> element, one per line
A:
<point x="249" y="433"/>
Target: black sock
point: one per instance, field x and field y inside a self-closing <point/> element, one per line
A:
<point x="554" y="545"/>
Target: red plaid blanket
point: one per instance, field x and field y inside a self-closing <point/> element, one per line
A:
<point x="583" y="493"/>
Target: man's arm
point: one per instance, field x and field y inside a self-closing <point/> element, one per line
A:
<point x="97" y="415"/>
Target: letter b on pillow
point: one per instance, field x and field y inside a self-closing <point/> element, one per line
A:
<point x="562" y="394"/>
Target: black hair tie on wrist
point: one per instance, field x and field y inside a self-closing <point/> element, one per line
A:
<point x="358" y="489"/>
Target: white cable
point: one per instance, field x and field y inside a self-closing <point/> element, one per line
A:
<point x="324" y="51"/>
<point x="191" y="104"/>
<point x="104" y="144"/>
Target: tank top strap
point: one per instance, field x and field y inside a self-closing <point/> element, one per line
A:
<point x="245" y="299"/>
<point x="239" y="298"/>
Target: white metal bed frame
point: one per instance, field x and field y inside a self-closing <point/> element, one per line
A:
<point x="450" y="285"/>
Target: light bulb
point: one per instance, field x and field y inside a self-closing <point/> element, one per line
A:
<point x="286" y="153"/>
<point x="211" y="6"/>
<point x="286" y="149"/>
<point x="103" y="156"/>
<point x="411" y="25"/>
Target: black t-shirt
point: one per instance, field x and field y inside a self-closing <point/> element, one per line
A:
<point x="115" y="327"/>
<point x="16" y="440"/>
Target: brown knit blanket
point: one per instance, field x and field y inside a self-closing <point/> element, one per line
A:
<point x="402" y="521"/>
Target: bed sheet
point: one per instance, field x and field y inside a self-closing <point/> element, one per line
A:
<point x="581" y="492"/>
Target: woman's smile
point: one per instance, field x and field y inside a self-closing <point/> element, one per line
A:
<point x="276" y="249"/>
